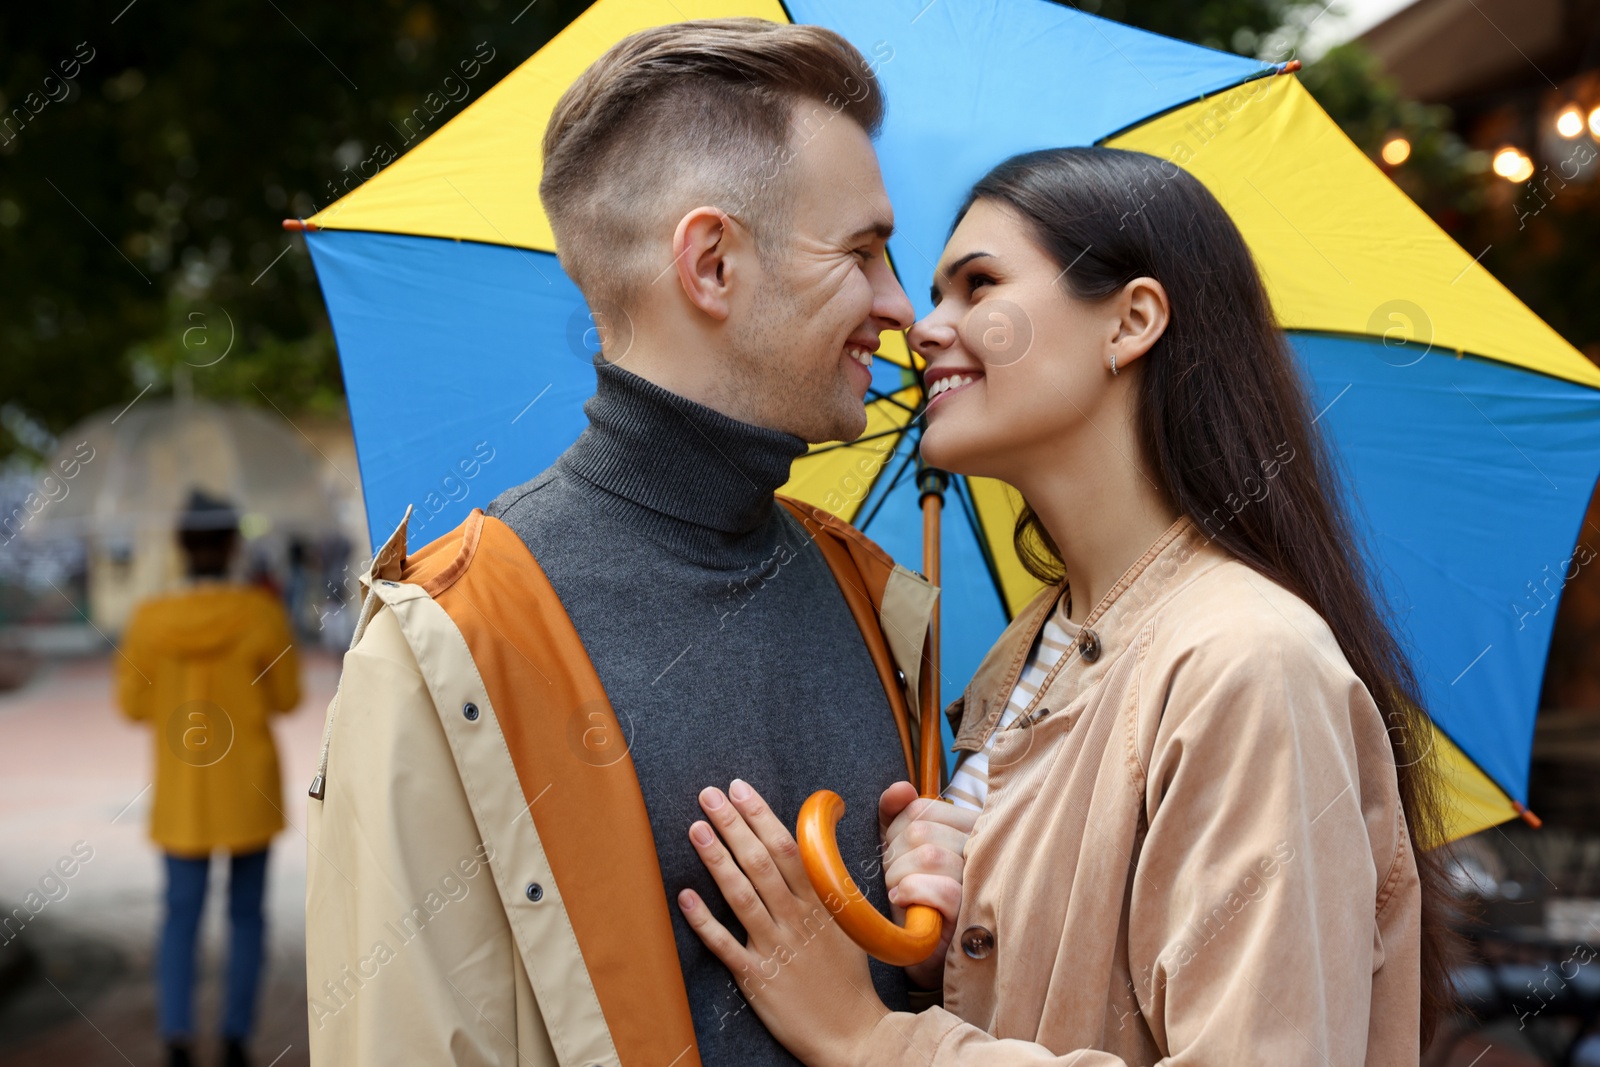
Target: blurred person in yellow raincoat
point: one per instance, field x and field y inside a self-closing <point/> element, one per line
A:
<point x="206" y="666"/>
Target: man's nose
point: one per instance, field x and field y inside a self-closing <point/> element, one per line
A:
<point x="890" y="302"/>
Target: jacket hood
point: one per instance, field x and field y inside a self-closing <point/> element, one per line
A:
<point x="202" y="622"/>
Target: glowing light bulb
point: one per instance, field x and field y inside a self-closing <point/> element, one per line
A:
<point x="1570" y="122"/>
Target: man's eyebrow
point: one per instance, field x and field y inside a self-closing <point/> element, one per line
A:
<point x="881" y="229"/>
<point x="950" y="272"/>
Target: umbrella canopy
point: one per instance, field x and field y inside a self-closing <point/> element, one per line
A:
<point x="1469" y="431"/>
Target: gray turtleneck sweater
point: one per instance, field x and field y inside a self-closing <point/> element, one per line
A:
<point x="723" y="643"/>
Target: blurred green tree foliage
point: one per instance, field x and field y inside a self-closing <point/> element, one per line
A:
<point x="141" y="196"/>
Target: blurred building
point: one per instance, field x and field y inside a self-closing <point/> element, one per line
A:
<point x="1480" y="56"/>
<point x="1521" y="77"/>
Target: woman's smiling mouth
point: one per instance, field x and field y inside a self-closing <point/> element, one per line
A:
<point x="945" y="381"/>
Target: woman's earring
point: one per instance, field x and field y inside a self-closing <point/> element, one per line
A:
<point x="1113" y="363"/>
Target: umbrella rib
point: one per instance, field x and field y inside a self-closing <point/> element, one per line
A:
<point x="852" y="444"/>
<point x="873" y="394"/>
<point x="1267" y="72"/>
<point x="893" y="481"/>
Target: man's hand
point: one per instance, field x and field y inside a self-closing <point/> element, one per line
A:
<point x="924" y="842"/>
<point x="805" y="978"/>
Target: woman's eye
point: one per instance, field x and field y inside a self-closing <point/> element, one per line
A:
<point x="975" y="280"/>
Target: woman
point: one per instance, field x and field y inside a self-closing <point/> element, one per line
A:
<point x="1199" y="755"/>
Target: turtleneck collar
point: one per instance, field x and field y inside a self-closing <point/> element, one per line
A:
<point x="689" y="477"/>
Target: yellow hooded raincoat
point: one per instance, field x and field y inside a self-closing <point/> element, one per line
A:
<point x="206" y="667"/>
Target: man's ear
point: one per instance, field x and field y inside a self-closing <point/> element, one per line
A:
<point x="700" y="252"/>
<point x="1142" y="316"/>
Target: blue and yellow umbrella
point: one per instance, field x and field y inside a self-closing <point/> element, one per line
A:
<point x="1468" y="429"/>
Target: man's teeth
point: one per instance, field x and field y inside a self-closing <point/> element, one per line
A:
<point x="859" y="354"/>
<point x="944" y="385"/>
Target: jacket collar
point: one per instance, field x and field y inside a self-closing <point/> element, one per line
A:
<point x="1180" y="554"/>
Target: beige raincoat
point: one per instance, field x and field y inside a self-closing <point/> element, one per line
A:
<point x="1195" y="855"/>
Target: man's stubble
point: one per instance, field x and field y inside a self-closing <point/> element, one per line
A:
<point x="798" y="393"/>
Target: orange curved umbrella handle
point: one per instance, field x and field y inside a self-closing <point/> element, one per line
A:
<point x="816" y="829"/>
<point x="819" y="851"/>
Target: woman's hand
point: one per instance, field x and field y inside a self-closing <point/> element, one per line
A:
<point x="807" y="981"/>
<point x="924" y="842"/>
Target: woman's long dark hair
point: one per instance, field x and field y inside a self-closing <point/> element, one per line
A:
<point x="1221" y="403"/>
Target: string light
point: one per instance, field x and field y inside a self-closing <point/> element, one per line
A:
<point x="1396" y="150"/>
<point x="1513" y="164"/>
<point x="1570" y="122"/>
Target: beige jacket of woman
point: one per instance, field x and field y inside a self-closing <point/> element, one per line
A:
<point x="1196" y="856"/>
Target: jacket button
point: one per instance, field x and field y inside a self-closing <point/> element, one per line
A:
<point x="535" y="892"/>
<point x="977" y="941"/>
<point x="1088" y="644"/>
<point x="470" y="711"/>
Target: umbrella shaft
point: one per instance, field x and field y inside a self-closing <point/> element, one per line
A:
<point x="928" y="764"/>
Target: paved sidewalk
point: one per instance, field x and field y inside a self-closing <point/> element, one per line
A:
<point x="73" y="773"/>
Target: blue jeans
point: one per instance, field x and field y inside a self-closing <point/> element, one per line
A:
<point x="175" y="964"/>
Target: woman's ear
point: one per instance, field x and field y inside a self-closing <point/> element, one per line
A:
<point x="700" y="249"/>
<point x="1142" y="317"/>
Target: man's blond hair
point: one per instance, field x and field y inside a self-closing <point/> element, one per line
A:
<point x="702" y="112"/>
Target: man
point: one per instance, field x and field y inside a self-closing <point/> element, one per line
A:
<point x="532" y="703"/>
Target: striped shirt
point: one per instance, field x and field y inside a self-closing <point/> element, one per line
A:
<point x="969" y="784"/>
